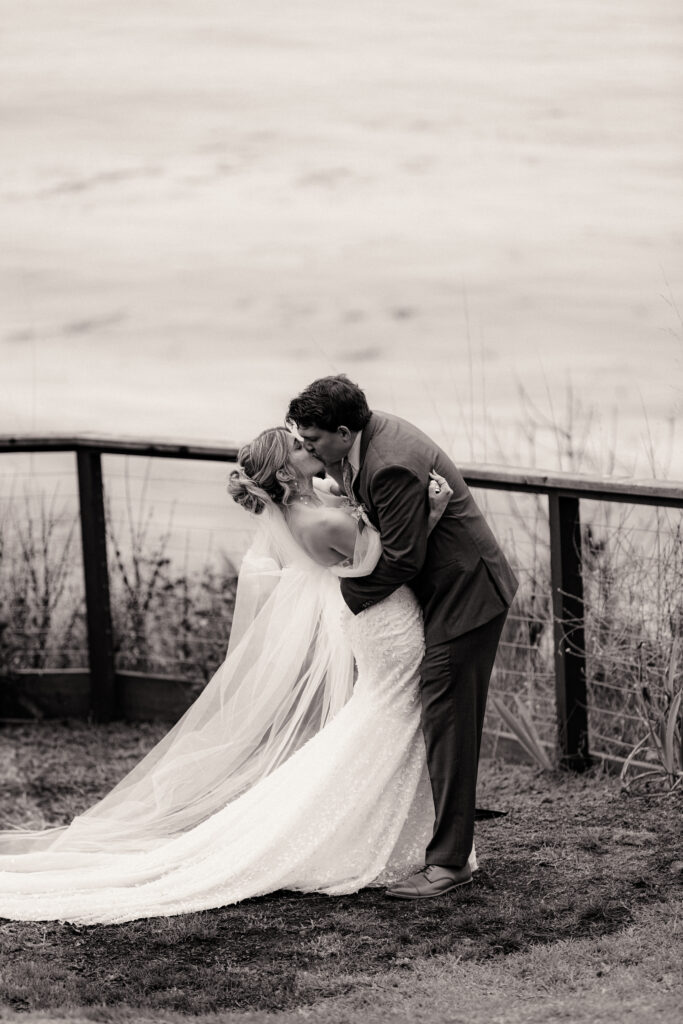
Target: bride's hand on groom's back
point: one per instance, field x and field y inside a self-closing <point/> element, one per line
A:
<point x="439" y="492"/>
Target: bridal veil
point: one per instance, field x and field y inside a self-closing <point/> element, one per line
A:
<point x="288" y="670"/>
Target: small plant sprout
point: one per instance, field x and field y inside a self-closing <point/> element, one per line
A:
<point x="523" y="728"/>
<point x="662" y="745"/>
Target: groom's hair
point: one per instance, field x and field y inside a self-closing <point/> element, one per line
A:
<point x="328" y="403"/>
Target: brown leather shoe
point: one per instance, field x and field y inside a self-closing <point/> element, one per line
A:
<point x="434" y="880"/>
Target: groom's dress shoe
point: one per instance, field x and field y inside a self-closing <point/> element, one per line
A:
<point x="434" y="880"/>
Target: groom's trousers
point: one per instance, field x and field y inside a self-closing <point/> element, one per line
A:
<point x="454" y="686"/>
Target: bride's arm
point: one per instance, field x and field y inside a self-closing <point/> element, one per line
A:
<point x="439" y="493"/>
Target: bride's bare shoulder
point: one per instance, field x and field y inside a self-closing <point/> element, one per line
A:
<point x="326" y="534"/>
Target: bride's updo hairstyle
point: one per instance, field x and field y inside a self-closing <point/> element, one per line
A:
<point x="264" y="474"/>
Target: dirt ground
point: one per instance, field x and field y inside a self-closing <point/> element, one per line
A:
<point x="574" y="873"/>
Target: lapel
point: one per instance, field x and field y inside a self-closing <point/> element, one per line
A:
<point x="359" y="483"/>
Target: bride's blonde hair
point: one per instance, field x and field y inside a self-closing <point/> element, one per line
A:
<point x="264" y="472"/>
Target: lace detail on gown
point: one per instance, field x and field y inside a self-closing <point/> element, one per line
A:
<point x="351" y="808"/>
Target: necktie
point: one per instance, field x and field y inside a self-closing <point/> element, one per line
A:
<point x="347" y="477"/>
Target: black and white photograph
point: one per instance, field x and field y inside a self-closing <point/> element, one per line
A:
<point x="341" y="512"/>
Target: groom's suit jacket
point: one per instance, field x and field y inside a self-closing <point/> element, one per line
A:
<point x="458" y="573"/>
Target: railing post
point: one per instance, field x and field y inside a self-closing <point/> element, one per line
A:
<point x="569" y="634"/>
<point x="100" y="634"/>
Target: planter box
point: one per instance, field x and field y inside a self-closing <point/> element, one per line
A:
<point x="45" y="693"/>
<point x="142" y="697"/>
<point x="65" y="693"/>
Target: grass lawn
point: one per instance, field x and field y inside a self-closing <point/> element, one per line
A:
<point x="575" y="916"/>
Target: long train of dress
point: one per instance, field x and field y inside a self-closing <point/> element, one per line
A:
<point x="351" y="808"/>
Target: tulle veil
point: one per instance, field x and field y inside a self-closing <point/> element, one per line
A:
<point x="289" y="669"/>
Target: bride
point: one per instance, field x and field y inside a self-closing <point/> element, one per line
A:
<point x="285" y="773"/>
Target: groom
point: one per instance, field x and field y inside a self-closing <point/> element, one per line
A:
<point x="458" y="574"/>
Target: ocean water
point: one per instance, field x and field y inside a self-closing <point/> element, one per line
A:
<point x="475" y="210"/>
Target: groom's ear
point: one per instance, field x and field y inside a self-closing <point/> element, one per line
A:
<point x="344" y="433"/>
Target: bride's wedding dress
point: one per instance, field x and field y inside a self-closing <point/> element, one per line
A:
<point x="283" y="775"/>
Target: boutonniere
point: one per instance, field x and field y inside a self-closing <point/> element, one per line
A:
<point x="360" y="514"/>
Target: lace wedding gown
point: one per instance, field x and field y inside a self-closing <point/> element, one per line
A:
<point x="329" y="809"/>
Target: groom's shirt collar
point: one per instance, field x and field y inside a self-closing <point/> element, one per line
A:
<point x="353" y="457"/>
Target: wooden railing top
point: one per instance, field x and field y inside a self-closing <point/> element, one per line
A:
<point x="668" y="493"/>
<point x="492" y="477"/>
<point x="168" y="448"/>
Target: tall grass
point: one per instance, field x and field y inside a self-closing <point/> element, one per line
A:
<point x="632" y="559"/>
<point x="42" y="619"/>
<point x="168" y="619"/>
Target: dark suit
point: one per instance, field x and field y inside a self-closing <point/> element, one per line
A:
<point x="463" y="583"/>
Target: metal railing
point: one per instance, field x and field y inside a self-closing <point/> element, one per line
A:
<point x="563" y="491"/>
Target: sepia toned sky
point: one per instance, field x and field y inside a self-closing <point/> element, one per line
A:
<point x="473" y="209"/>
